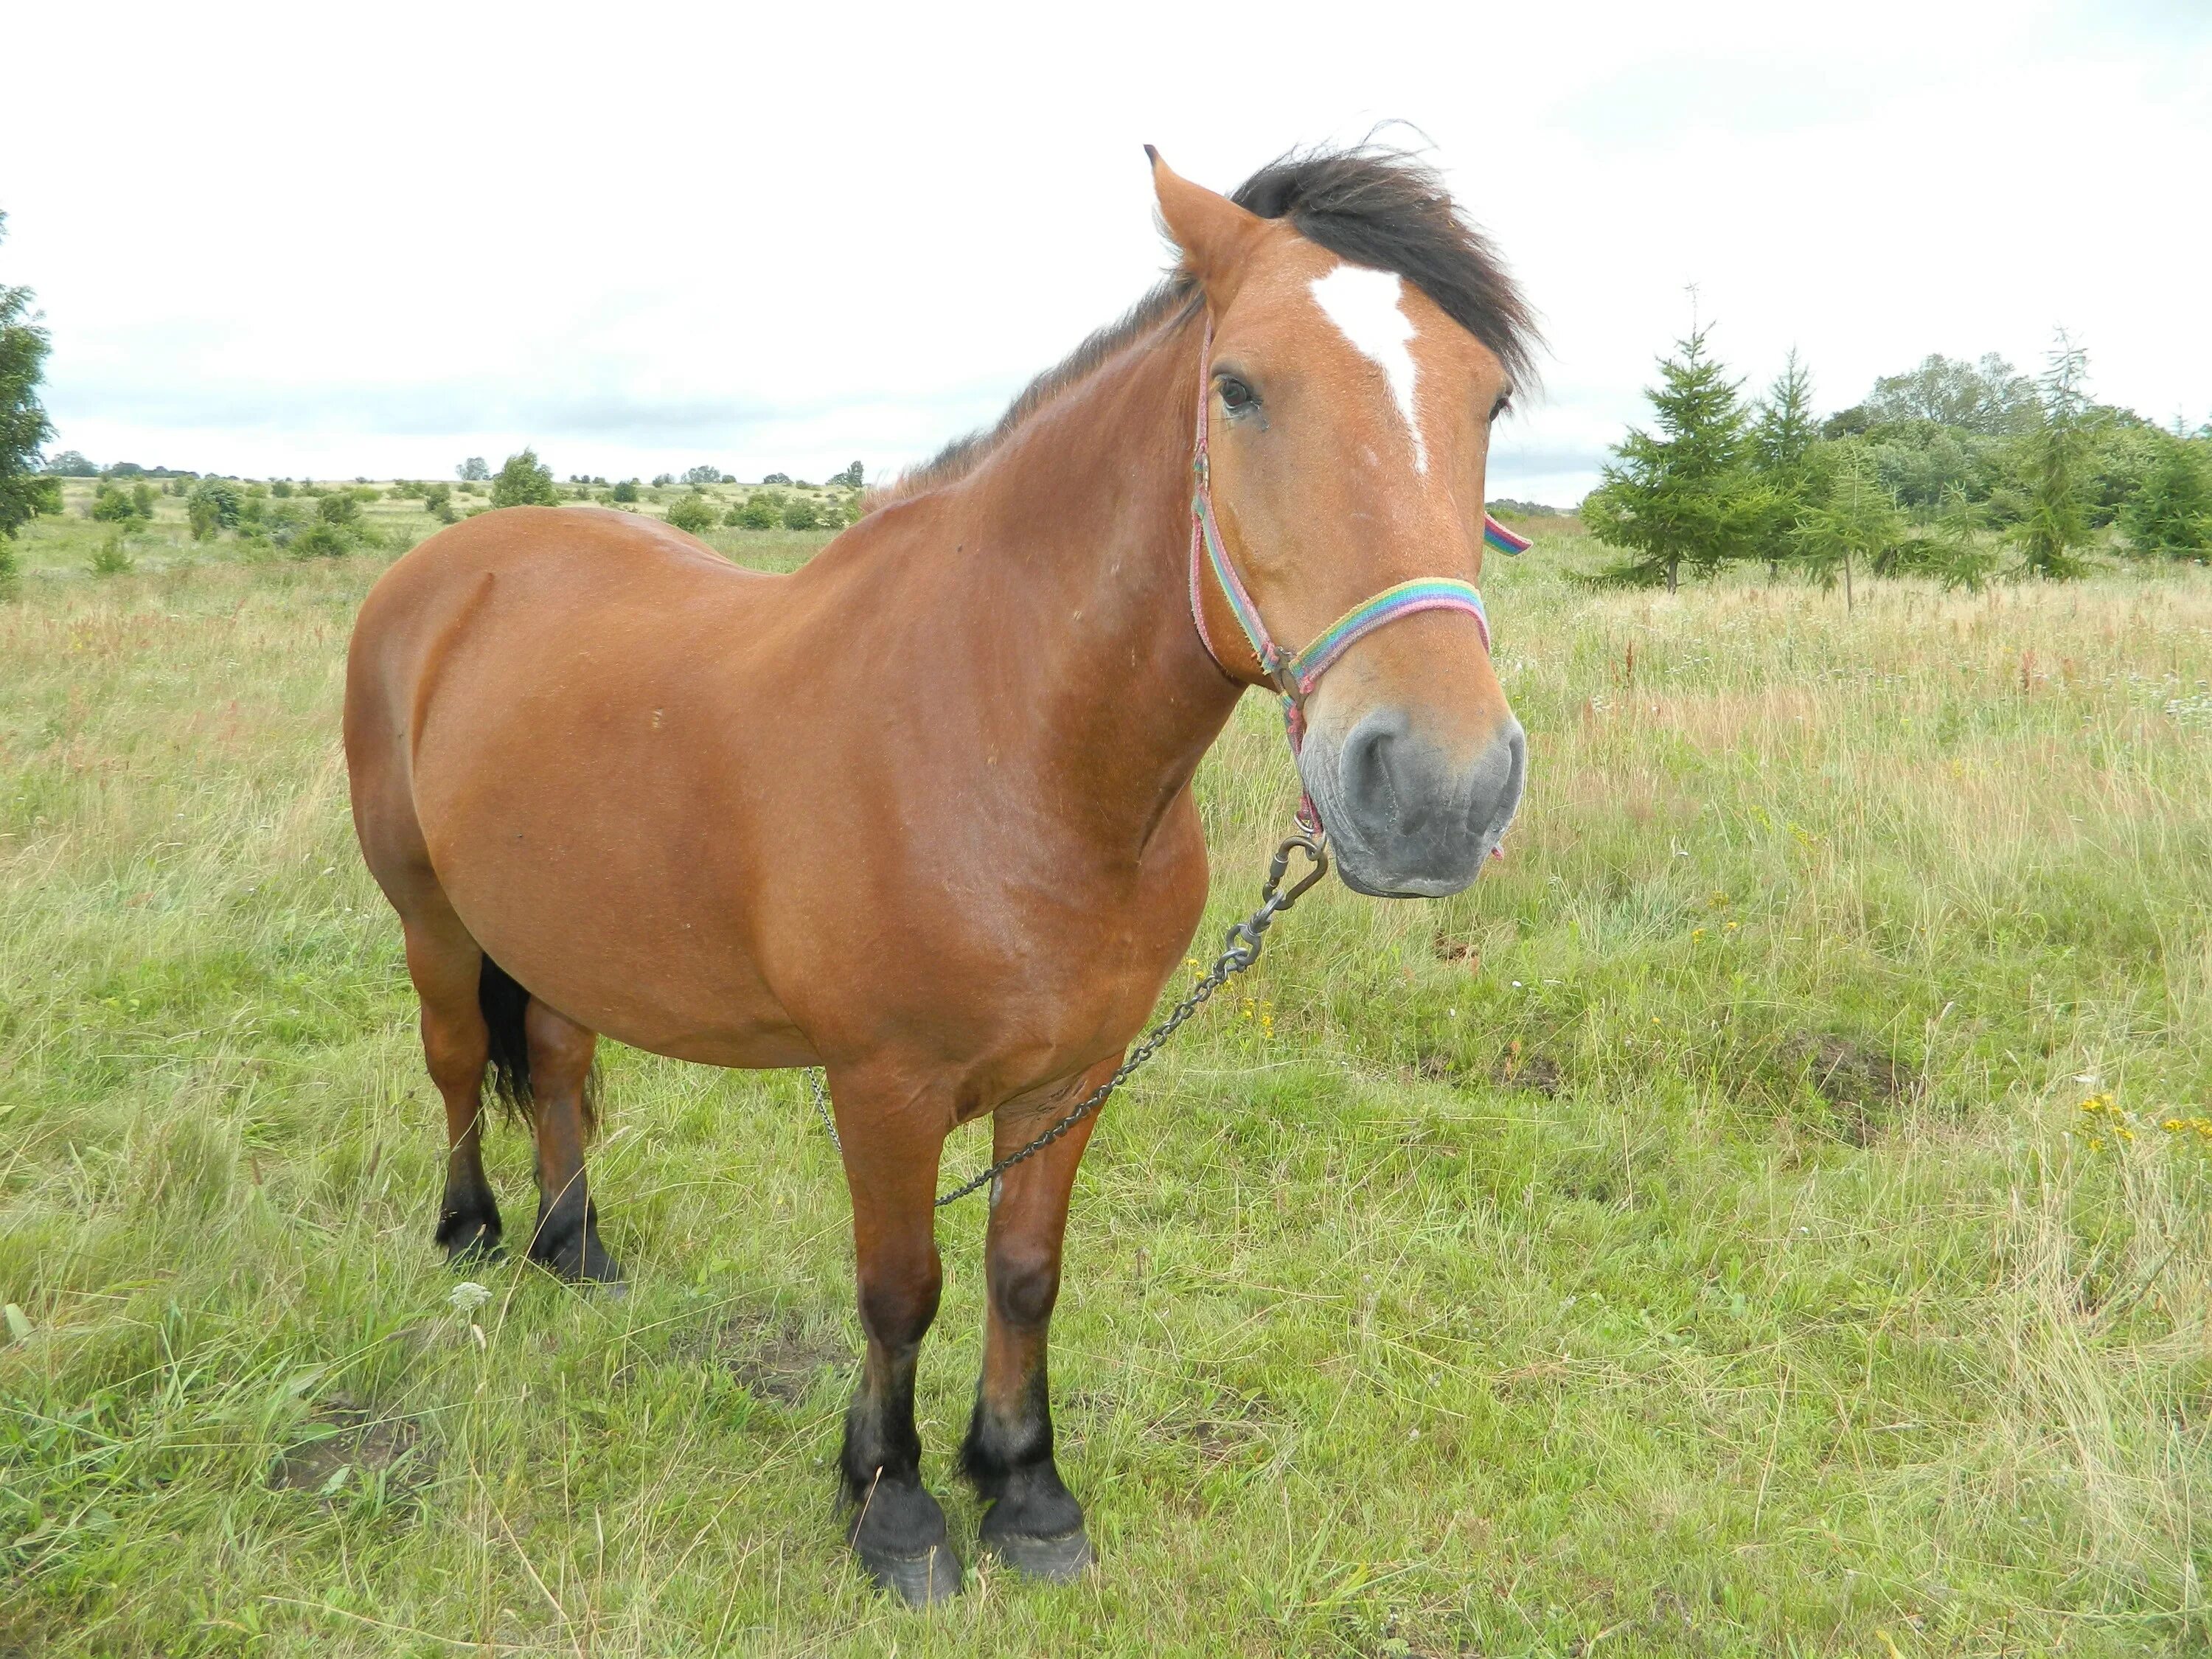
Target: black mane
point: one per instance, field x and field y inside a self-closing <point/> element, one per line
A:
<point x="1389" y="209"/>
<point x="1372" y="205"/>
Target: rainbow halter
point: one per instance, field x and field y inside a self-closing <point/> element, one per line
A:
<point x="1294" y="674"/>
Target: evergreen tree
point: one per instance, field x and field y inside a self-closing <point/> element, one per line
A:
<point x="23" y="425"/>
<point x="1686" y="494"/>
<point x="1781" y="446"/>
<point x="1854" y="521"/>
<point x="2056" y="520"/>
<point x="1786" y="429"/>
<point x="523" y="483"/>
<point x="2171" y="515"/>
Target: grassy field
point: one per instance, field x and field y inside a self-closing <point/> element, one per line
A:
<point x="1747" y="1222"/>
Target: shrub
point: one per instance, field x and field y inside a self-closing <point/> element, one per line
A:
<point x="114" y="505"/>
<point x="693" y="512"/>
<point x="322" y="540"/>
<point x="342" y="509"/>
<point x="113" y="558"/>
<point x="405" y="491"/>
<point x="438" y="503"/>
<point x="282" y="488"/>
<point x="758" y="513"/>
<point x="662" y="480"/>
<point x="800" y="514"/>
<point x="272" y="524"/>
<point x="523" y="483"/>
<point x="2171" y="515"/>
<point x="624" y="491"/>
<point x="214" y="504"/>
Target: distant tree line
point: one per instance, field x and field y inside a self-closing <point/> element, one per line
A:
<point x="1960" y="470"/>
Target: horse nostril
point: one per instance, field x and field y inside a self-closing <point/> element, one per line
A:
<point x="1496" y="783"/>
<point x="1365" y="770"/>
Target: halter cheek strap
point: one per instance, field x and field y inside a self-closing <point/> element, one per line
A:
<point x="1294" y="674"/>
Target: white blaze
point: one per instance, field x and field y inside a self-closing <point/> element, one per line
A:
<point x="1364" y="305"/>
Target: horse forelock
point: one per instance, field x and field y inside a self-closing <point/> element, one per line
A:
<point x="1371" y="205"/>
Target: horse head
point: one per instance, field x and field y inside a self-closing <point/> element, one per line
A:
<point x="1352" y="377"/>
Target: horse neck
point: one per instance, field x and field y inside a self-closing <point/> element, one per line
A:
<point x="1080" y="526"/>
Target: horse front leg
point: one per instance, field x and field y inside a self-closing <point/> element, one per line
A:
<point x="1035" y="1525"/>
<point x="890" y="1167"/>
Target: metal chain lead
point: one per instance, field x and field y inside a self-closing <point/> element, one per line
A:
<point x="1242" y="952"/>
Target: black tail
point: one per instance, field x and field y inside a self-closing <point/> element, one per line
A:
<point x="503" y="1002"/>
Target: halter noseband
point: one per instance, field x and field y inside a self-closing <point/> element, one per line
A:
<point x="1294" y="674"/>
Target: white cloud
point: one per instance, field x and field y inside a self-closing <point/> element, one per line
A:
<point x="289" y="239"/>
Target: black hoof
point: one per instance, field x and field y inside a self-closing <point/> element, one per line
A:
<point x="581" y="1261"/>
<point x="1060" y="1560"/>
<point x="919" y="1581"/>
<point x="899" y="1535"/>
<point x="470" y="1239"/>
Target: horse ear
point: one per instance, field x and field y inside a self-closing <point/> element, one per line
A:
<point x="1213" y="233"/>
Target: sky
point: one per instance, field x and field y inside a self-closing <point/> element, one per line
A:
<point x="332" y="241"/>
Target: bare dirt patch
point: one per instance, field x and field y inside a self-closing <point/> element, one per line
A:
<point x="350" y="1445"/>
<point x="1448" y="949"/>
<point x="772" y="1355"/>
<point x="1539" y="1073"/>
<point x="1861" y="1082"/>
<point x="1229" y="1429"/>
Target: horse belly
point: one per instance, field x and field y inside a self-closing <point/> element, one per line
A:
<point x="557" y="777"/>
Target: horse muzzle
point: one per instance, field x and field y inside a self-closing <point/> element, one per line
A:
<point x="1408" y="818"/>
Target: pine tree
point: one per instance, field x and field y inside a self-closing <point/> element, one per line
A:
<point x="1855" y="520"/>
<point x="1963" y="557"/>
<point x="1781" y="446"/>
<point x="2171" y="515"/>
<point x="23" y="427"/>
<point x="1786" y="427"/>
<point x="2057" y="521"/>
<point x="1687" y="494"/>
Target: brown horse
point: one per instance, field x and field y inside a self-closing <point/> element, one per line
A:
<point x="920" y="812"/>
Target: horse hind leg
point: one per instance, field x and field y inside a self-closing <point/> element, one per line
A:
<point x="557" y="1086"/>
<point x="445" y="964"/>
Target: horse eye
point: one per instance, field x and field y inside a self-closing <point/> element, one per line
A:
<point x="1501" y="406"/>
<point x="1236" y="395"/>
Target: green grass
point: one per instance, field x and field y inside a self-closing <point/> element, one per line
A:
<point x="1689" y="1241"/>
